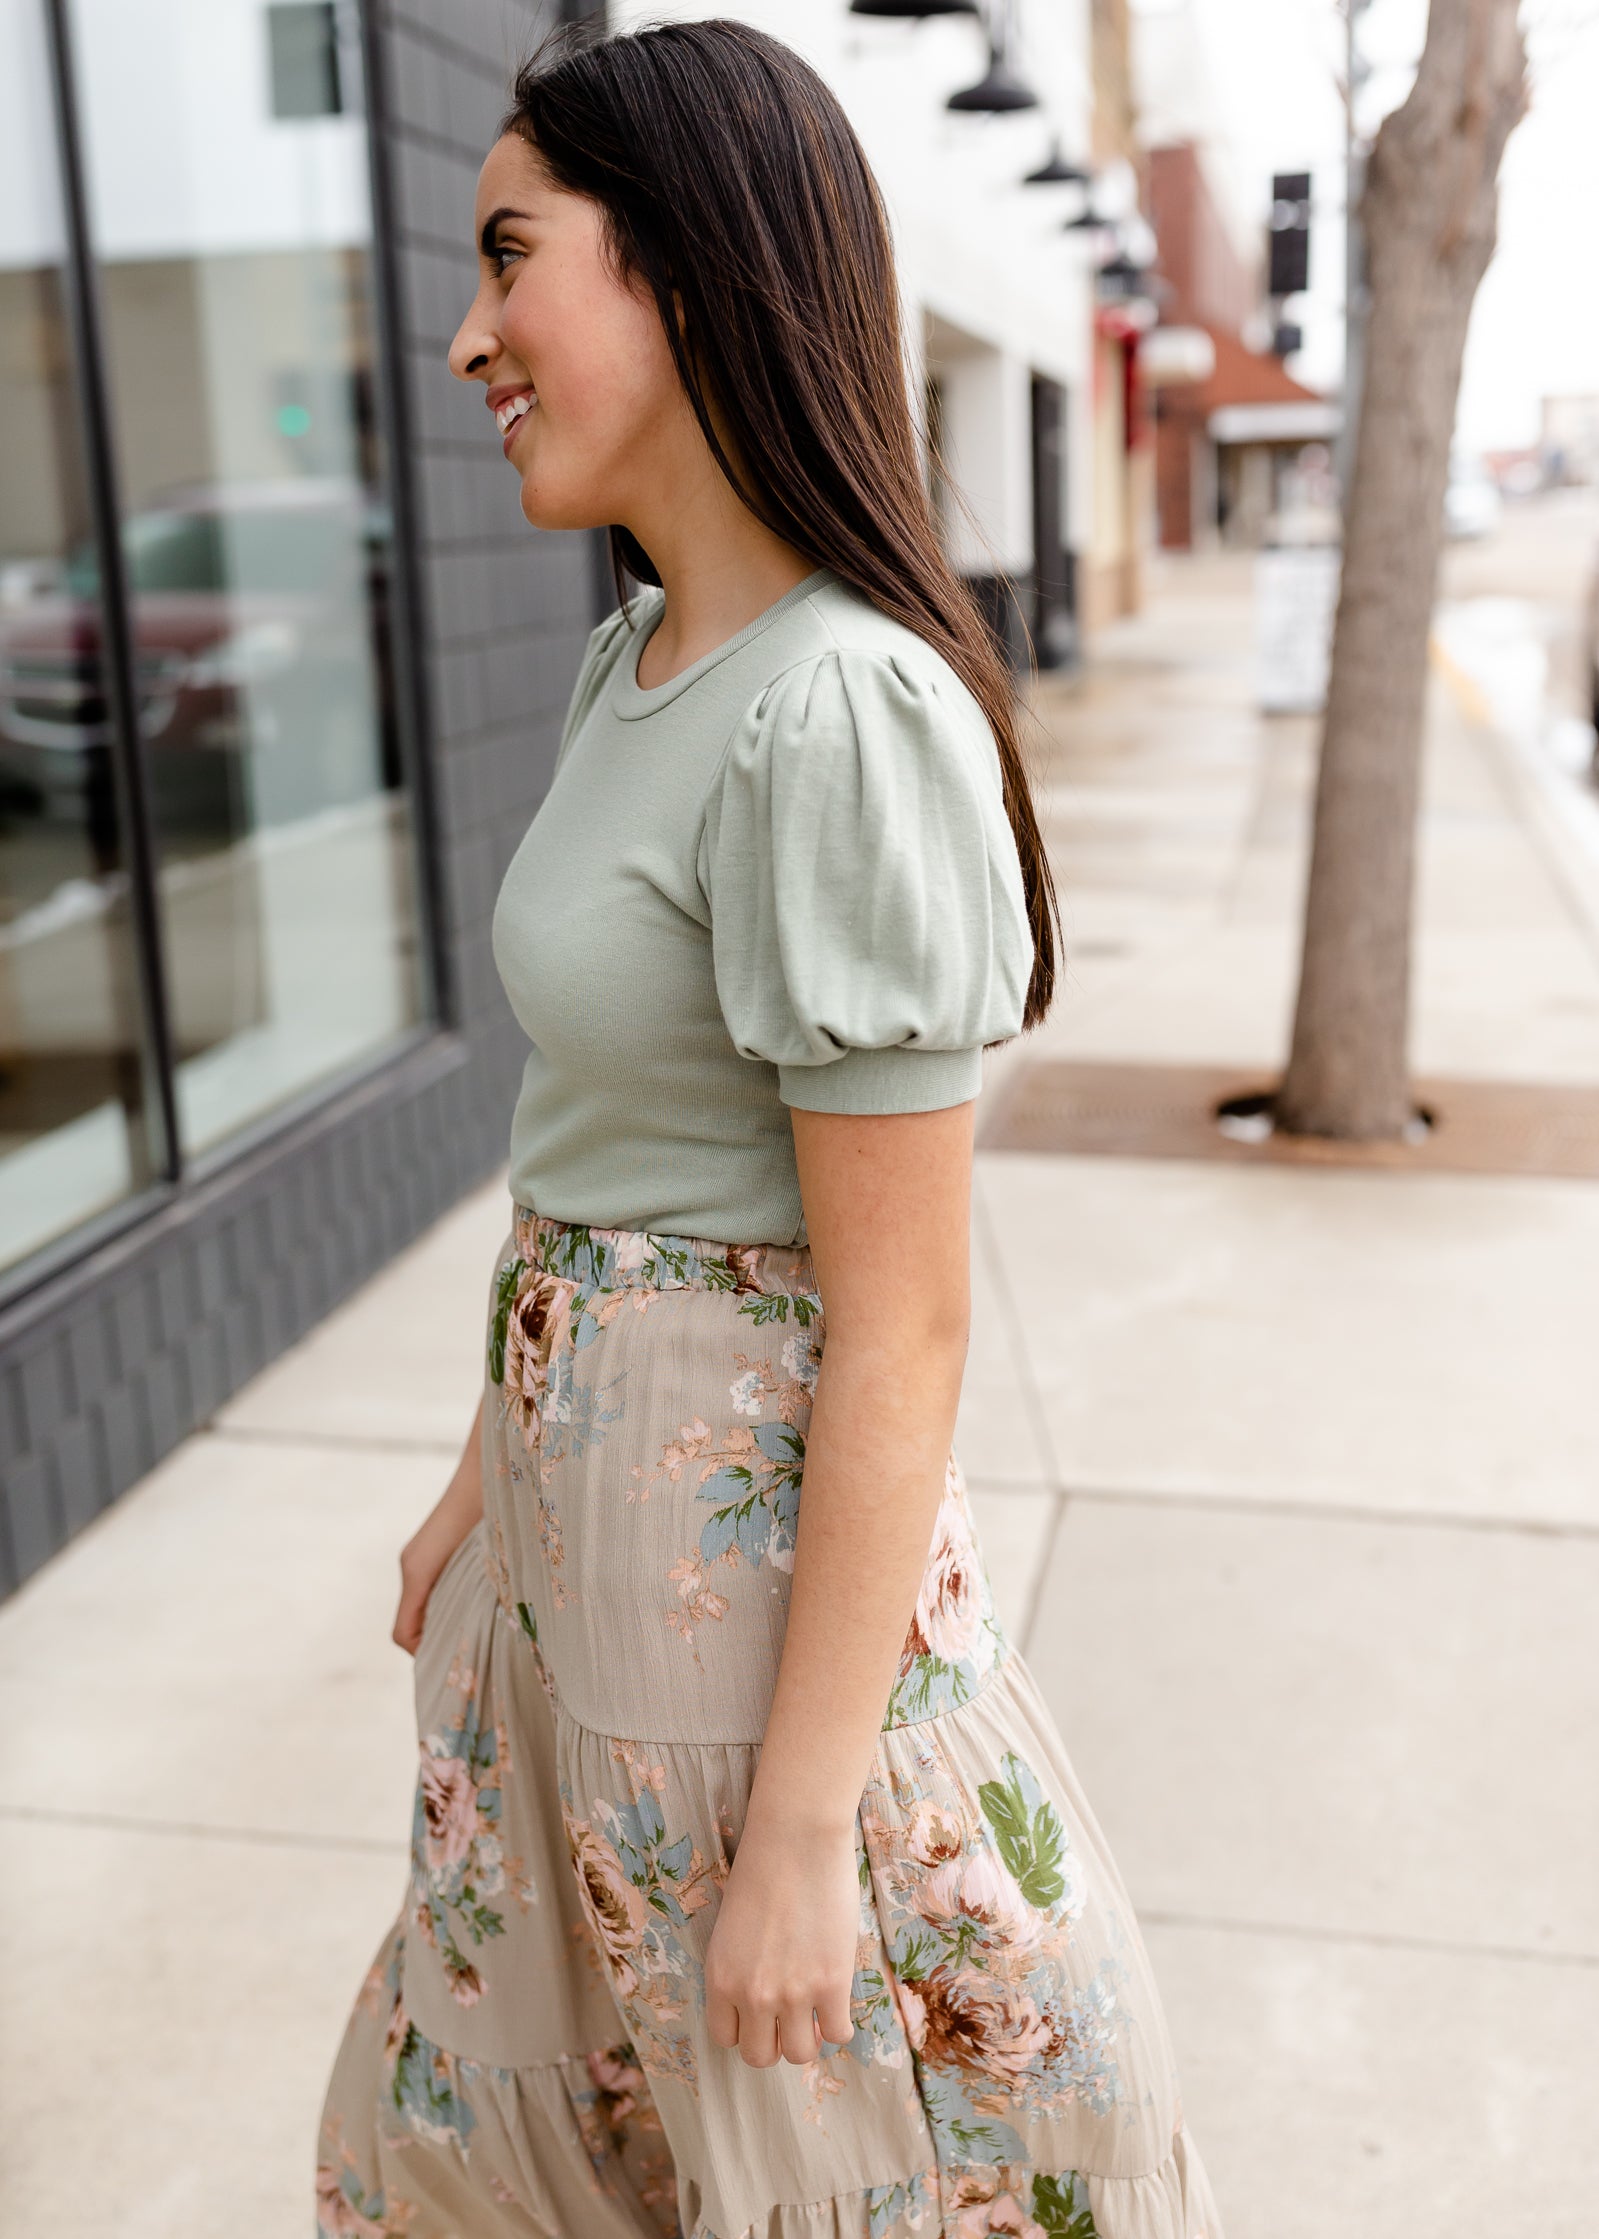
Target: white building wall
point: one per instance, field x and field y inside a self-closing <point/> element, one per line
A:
<point x="993" y="288"/>
<point x="987" y="448"/>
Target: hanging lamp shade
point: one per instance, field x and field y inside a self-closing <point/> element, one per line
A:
<point x="1056" y="171"/>
<point x="1087" y="220"/>
<point x="997" y="93"/>
<point x="911" y="11"/>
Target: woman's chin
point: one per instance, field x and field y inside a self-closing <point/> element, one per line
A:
<point x="547" y="508"/>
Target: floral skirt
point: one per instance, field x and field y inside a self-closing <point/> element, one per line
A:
<point x="528" y="2058"/>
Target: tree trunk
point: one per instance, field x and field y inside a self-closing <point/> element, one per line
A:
<point x="1429" y="213"/>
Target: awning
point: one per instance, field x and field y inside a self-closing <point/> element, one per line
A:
<point x="1313" y="421"/>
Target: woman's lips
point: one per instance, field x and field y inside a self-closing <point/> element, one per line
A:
<point x="510" y="412"/>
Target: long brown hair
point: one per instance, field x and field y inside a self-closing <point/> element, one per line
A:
<point x="735" y="189"/>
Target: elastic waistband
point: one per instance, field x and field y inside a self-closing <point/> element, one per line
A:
<point x="650" y="1259"/>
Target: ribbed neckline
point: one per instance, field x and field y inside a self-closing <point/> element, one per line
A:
<point x="630" y="699"/>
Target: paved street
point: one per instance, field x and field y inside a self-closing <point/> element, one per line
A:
<point x="1288" y="1480"/>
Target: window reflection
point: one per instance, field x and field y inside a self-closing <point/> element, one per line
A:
<point x="73" y="1133"/>
<point x="232" y="230"/>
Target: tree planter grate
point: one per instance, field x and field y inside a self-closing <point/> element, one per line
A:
<point x="1169" y="1111"/>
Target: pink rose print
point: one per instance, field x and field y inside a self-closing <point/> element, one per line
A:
<point x="616" y="1910"/>
<point x="968" y="2020"/>
<point x="934" y="1834"/>
<point x="980" y="1888"/>
<point x="984" y="2208"/>
<point x="949" y="1606"/>
<point x="449" y="1806"/>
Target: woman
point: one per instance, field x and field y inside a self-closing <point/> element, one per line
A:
<point x="753" y="1895"/>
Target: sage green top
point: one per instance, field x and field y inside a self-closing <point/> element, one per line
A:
<point x="784" y="877"/>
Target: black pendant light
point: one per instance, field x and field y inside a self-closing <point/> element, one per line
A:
<point x="1119" y="279"/>
<point x="911" y="11"/>
<point x="1087" y="220"/>
<point x="997" y="93"/>
<point x="1056" y="172"/>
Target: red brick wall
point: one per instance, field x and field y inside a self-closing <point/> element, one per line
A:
<point x="1214" y="285"/>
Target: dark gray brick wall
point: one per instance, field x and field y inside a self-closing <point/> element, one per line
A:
<point x="107" y="1366"/>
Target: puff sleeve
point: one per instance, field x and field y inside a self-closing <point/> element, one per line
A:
<point x="869" y="926"/>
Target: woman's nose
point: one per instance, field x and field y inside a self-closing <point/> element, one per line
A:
<point x="472" y="351"/>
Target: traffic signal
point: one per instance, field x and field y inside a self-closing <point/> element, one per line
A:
<point x="1288" y="241"/>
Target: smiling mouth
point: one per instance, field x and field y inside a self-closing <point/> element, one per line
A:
<point x="513" y="410"/>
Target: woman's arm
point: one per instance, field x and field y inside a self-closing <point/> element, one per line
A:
<point x="888" y="1210"/>
<point x="437" y="1537"/>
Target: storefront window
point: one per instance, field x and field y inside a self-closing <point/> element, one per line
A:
<point x="263" y="942"/>
<point x="76" y="1131"/>
<point x="232" y="233"/>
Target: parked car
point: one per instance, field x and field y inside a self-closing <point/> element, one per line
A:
<point x="260" y="615"/>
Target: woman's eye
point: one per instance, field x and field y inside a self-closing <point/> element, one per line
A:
<point x="500" y="255"/>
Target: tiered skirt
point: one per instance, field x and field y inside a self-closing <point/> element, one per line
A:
<point x="528" y="2057"/>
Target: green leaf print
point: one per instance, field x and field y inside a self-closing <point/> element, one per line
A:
<point x="481" y="1919"/>
<point x="423" y="2091"/>
<point x="505" y="1291"/>
<point x="897" y="2207"/>
<point x="676" y="1860"/>
<point x="916" y="1957"/>
<point x="957" y="2137"/>
<point x="912" y="1696"/>
<point x="1031" y="1841"/>
<point x="570" y="1251"/>
<point x="777" y="1306"/>
<point x="1060" y="2205"/>
<point x="987" y="2142"/>
<point x="746" y="1523"/>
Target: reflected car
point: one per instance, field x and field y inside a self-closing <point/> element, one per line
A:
<point x="260" y="618"/>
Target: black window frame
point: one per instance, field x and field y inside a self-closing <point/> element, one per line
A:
<point x="178" y="1175"/>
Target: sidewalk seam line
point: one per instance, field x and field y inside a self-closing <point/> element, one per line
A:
<point x="252" y="1434"/>
<point x="1385" y="1939"/>
<point x="1335" y="1512"/>
<point x="1045" y="1566"/>
<point x="267" y="1837"/>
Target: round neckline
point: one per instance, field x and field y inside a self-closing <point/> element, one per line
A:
<point x="630" y="699"/>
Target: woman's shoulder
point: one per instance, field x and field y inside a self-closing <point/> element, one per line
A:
<point x="847" y="661"/>
<point x="847" y="621"/>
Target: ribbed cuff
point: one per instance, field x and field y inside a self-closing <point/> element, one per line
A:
<point x="897" y="1079"/>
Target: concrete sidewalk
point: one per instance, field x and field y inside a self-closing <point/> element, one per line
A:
<point x="1288" y="1481"/>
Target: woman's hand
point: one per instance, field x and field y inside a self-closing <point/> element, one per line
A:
<point x="888" y="1205"/>
<point x="781" y="1958"/>
<point x="435" y="1540"/>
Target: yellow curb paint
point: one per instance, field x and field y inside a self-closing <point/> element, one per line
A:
<point x="1469" y="695"/>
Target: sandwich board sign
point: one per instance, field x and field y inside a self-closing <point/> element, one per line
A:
<point x="1296" y="593"/>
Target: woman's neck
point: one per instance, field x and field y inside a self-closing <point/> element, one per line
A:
<point x="719" y="569"/>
